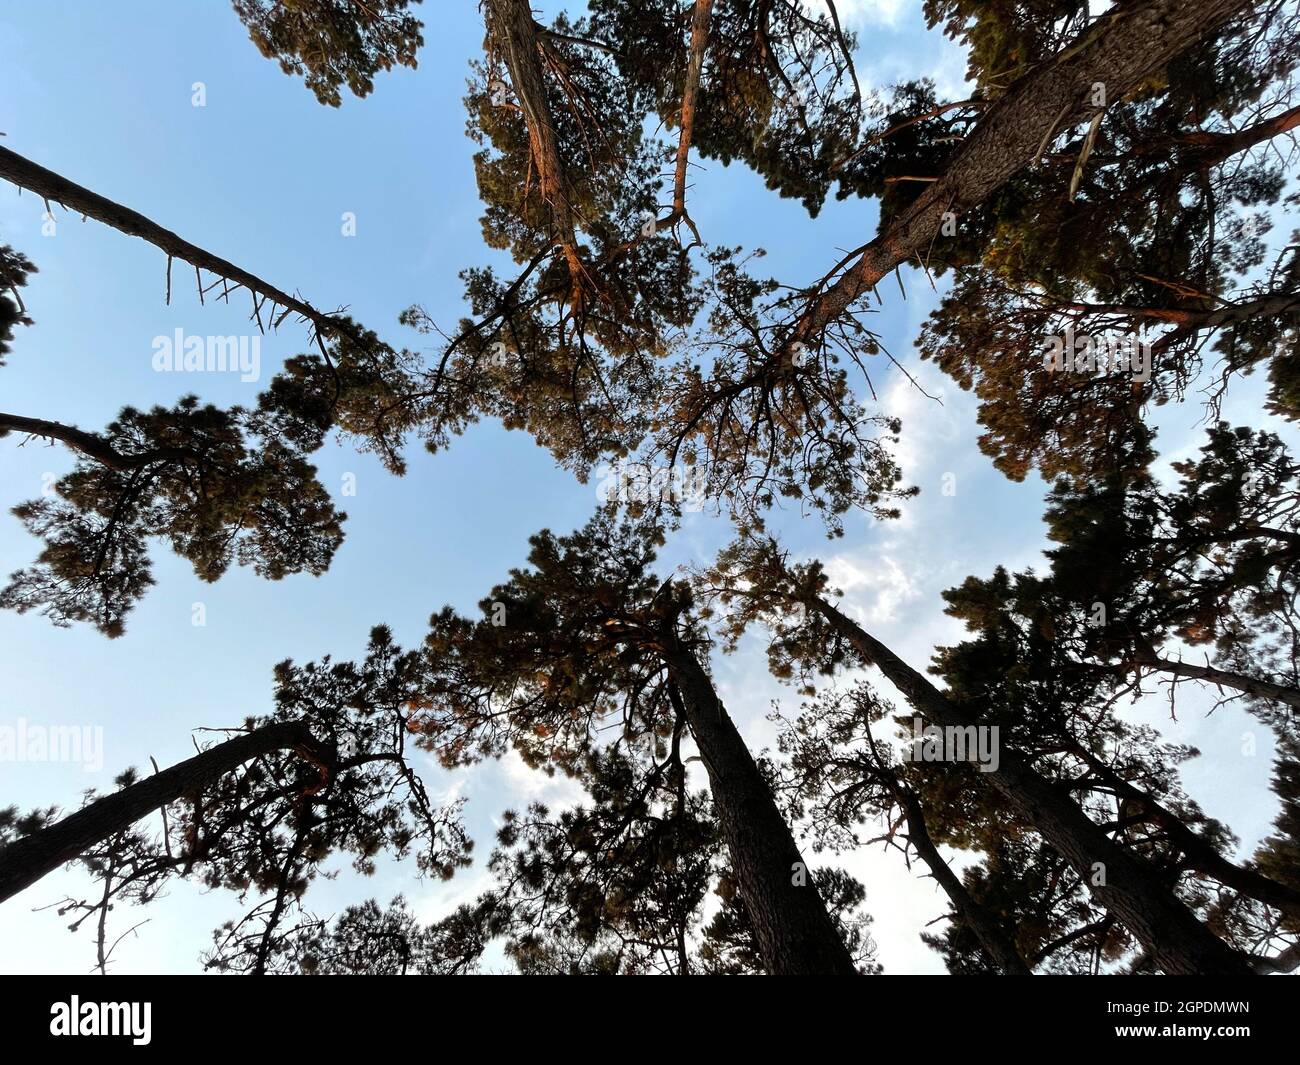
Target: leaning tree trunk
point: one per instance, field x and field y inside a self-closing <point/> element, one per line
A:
<point x="700" y="20"/>
<point x="26" y="860"/>
<point x="510" y="23"/>
<point x="89" y="444"/>
<point x="795" y="933"/>
<point x="1198" y="852"/>
<point x="51" y="186"/>
<point x="999" y="946"/>
<point x="1120" y="50"/>
<point x="1178" y="942"/>
<point x="1253" y="686"/>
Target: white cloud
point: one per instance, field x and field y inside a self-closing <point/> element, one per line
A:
<point x="878" y="587"/>
<point x="532" y="785"/>
<point x="936" y="421"/>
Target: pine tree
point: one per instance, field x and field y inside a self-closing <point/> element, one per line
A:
<point x="333" y="44"/>
<point x="586" y="634"/>
<point x="260" y="812"/>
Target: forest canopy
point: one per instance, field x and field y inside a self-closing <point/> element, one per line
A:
<point x="1103" y="224"/>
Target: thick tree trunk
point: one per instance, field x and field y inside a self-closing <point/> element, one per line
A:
<point x="796" y="935"/>
<point x="1197" y="852"/>
<point x="996" y="943"/>
<point x="1119" y="51"/>
<point x="1170" y="932"/>
<point x="52" y="187"/>
<point x="26" y="860"/>
<point x="510" y="23"/>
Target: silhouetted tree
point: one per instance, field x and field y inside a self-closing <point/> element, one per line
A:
<point x="588" y="636"/>
<point x="621" y="883"/>
<point x="1149" y="225"/>
<point x="260" y="812"/>
<point x="810" y="634"/>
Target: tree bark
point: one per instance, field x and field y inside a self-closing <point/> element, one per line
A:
<point x="700" y="19"/>
<point x="796" y="935"/>
<point x="511" y="24"/>
<point x="1221" y="677"/>
<point x="1189" y="320"/>
<point x="1120" y="50"/>
<point x="89" y="444"/>
<point x="24" y="861"/>
<point x="1178" y="942"/>
<point x="999" y="946"/>
<point x="1198" y="853"/>
<point x="51" y="186"/>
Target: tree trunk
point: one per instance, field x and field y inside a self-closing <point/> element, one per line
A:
<point x="1178" y="942"/>
<point x="26" y="860"/>
<point x="700" y="20"/>
<point x="996" y="943"/>
<point x="511" y="24"/>
<point x="1190" y="320"/>
<point x="51" y="186"/>
<point x="796" y="935"/>
<point x="1119" y="51"/>
<point x="1198" y="853"/>
<point x="1262" y="689"/>
<point x="89" y="444"/>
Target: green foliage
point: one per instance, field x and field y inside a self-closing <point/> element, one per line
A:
<point x="1164" y="239"/>
<point x="579" y="645"/>
<point x="220" y="486"/>
<point x="625" y="338"/>
<point x="333" y="44"/>
<point x="14" y="269"/>
<point x="778" y="91"/>
<point x="616" y="886"/>
<point x="269" y="829"/>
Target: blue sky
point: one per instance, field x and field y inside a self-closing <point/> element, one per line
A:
<point x="263" y="175"/>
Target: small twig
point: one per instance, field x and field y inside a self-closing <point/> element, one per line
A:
<point x="1083" y="155"/>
